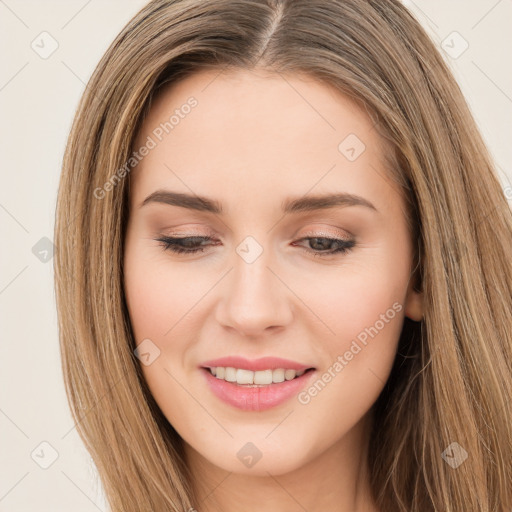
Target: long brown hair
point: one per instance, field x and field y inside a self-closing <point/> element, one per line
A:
<point x="452" y="378"/>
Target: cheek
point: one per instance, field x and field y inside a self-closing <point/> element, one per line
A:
<point x="362" y="315"/>
<point x="158" y="294"/>
<point x="367" y="319"/>
<point x="160" y="299"/>
<point x="356" y="361"/>
<point x="354" y="298"/>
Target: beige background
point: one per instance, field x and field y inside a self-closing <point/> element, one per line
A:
<point x="38" y="97"/>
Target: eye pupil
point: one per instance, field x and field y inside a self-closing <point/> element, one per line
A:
<point x="319" y="246"/>
<point x="191" y="241"/>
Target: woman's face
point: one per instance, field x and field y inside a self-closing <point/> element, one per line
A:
<point x="304" y="255"/>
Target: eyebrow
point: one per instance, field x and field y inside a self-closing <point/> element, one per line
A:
<point x="291" y="205"/>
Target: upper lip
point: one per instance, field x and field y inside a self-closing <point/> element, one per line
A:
<point x="263" y="363"/>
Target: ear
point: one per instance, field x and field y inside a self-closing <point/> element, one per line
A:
<point x="414" y="303"/>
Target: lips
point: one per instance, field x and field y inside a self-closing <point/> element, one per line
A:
<point x="255" y="397"/>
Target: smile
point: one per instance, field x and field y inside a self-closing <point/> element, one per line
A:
<point x="256" y="397"/>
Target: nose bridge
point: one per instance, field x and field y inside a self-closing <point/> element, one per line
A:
<point x="254" y="298"/>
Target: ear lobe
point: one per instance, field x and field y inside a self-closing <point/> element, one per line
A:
<point x="414" y="304"/>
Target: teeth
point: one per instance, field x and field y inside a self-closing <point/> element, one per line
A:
<point x="278" y="375"/>
<point x="289" y="374"/>
<point x="244" y="377"/>
<point x="230" y="375"/>
<point x="263" y="377"/>
<point x="248" y="377"/>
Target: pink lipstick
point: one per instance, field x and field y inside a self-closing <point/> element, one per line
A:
<point x="255" y="385"/>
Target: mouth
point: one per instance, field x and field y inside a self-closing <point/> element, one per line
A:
<point x="269" y="383"/>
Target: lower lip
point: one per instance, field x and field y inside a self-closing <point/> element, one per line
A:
<point x="258" y="398"/>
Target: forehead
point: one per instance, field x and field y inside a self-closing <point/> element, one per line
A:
<point x="253" y="130"/>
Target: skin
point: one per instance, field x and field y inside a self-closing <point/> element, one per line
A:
<point x="253" y="140"/>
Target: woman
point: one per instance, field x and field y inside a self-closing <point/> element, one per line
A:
<point x="283" y="266"/>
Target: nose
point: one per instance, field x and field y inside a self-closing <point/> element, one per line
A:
<point x="255" y="300"/>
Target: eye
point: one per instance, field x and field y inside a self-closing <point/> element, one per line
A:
<point x="194" y="244"/>
<point x="187" y="245"/>
<point x="319" y="244"/>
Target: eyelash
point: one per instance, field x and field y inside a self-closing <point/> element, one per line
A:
<point x="171" y="244"/>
